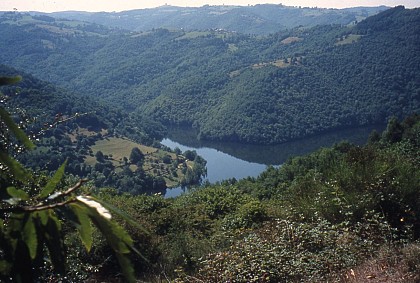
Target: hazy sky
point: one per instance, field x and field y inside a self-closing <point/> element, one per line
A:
<point x="120" y="5"/>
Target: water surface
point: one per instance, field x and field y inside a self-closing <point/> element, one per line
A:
<point x="226" y="160"/>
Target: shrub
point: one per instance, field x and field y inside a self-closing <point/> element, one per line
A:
<point x="290" y="251"/>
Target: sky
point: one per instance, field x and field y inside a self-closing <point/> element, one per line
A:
<point x="121" y="5"/>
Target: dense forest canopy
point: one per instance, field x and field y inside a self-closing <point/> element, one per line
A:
<point x="229" y="86"/>
<point x="251" y="19"/>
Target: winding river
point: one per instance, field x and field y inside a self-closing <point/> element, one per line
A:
<point x="227" y="160"/>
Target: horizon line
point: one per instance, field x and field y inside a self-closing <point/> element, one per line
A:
<point x="207" y="5"/>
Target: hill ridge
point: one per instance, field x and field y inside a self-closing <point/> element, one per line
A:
<point x="236" y="87"/>
<point x="252" y="19"/>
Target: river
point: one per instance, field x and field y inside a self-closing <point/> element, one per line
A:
<point x="227" y="160"/>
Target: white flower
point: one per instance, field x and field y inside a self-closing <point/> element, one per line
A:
<point x="94" y="204"/>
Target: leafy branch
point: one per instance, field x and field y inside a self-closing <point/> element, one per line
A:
<point x="27" y="231"/>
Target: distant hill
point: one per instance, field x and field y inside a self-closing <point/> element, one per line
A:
<point x="253" y="89"/>
<point x="75" y="128"/>
<point x="253" y="19"/>
<point x="43" y="101"/>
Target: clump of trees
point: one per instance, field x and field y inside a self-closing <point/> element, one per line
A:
<point x="136" y="156"/>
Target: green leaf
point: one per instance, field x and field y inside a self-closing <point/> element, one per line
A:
<point x="14" y="228"/>
<point x="127" y="268"/>
<point x="5" y="267"/>
<point x="119" y="240"/>
<point x="16" y="193"/>
<point x="16" y="169"/>
<point x="127" y="218"/>
<point x="42" y="216"/>
<point x="29" y="236"/>
<point x="9" y="80"/>
<point x="11" y="125"/>
<point x="116" y="236"/>
<point x="55" y="242"/>
<point x="84" y="227"/>
<point x="19" y="246"/>
<point x="53" y="182"/>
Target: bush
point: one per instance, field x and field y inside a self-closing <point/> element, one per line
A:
<point x="248" y="215"/>
<point x="290" y="251"/>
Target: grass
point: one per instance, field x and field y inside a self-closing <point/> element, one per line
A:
<point x="85" y="132"/>
<point x="73" y="24"/>
<point x="388" y="265"/>
<point x="279" y="63"/>
<point x="232" y="47"/>
<point x="140" y="34"/>
<point x="291" y="39"/>
<point x="194" y="34"/>
<point x="348" y="39"/>
<point x="63" y="27"/>
<point x="118" y="148"/>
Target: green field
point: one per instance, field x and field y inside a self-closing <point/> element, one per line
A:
<point x="117" y="148"/>
<point x="348" y="39"/>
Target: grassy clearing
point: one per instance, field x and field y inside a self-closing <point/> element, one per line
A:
<point x="348" y="39"/>
<point x="280" y="63"/>
<point x="291" y="39"/>
<point x="83" y="131"/>
<point x="62" y="27"/>
<point x="23" y="20"/>
<point x="140" y="34"/>
<point x="193" y="34"/>
<point x="234" y="73"/>
<point x="118" y="148"/>
<point x="232" y="47"/>
<point x="73" y="24"/>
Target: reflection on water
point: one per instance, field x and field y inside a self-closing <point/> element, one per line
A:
<point x="272" y="154"/>
<point x="226" y="160"/>
<point x="220" y="165"/>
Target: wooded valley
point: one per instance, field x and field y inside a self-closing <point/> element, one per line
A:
<point x="84" y="106"/>
<point x="230" y="86"/>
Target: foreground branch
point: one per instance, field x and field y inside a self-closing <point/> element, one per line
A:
<point x="42" y="206"/>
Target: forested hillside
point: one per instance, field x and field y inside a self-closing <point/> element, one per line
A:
<point x="251" y="19"/>
<point x="230" y="86"/>
<point x="95" y="140"/>
<point x="42" y="101"/>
